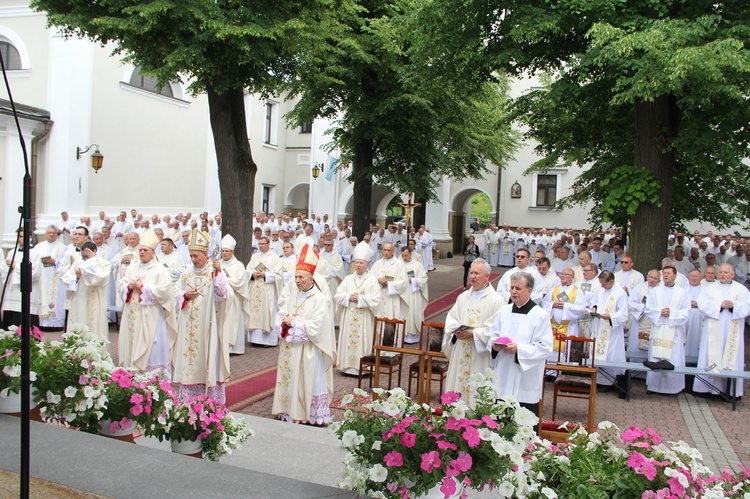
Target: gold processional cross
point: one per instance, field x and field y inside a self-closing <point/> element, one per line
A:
<point x="409" y="206"/>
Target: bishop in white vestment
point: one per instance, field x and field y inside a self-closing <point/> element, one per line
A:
<point x="148" y="330"/>
<point x="357" y="299"/>
<point x="304" y="379"/>
<point x="201" y="357"/>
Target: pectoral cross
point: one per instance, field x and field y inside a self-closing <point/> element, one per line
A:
<point x="409" y="206"/>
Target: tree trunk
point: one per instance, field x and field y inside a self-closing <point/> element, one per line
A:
<point x="362" y="190"/>
<point x="236" y="167"/>
<point x="656" y="125"/>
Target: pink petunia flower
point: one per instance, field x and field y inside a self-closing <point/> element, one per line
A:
<point x="394" y="459"/>
<point x="443" y="445"/>
<point x="471" y="435"/>
<point x="430" y="461"/>
<point x="464" y="461"/>
<point x="450" y="397"/>
<point x="491" y="423"/>
<point x="448" y="488"/>
<point x="408" y="440"/>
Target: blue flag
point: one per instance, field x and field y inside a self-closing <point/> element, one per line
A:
<point x="332" y="168"/>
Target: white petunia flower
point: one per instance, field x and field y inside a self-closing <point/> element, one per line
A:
<point x="70" y="392"/>
<point x="349" y="438"/>
<point x="551" y="494"/>
<point x="376" y="444"/>
<point x="505" y="489"/>
<point x="347" y="399"/>
<point x="378" y="473"/>
<point x="52" y="398"/>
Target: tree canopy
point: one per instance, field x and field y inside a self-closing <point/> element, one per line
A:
<point x="222" y="48"/>
<point x="399" y="121"/>
<point x="651" y="95"/>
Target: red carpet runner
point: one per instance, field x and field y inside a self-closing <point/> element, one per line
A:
<point x="445" y="302"/>
<point x="251" y="388"/>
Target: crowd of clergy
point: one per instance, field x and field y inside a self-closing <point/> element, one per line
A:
<point x="691" y="311"/>
<point x="185" y="303"/>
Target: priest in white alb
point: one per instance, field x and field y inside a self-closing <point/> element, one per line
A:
<point x="725" y="304"/>
<point x="304" y="378"/>
<point x="389" y="271"/>
<point x="415" y="295"/>
<point x="611" y="304"/>
<point x="357" y="299"/>
<point x="523" y="259"/>
<point x="234" y="310"/>
<point x="148" y="330"/>
<point x="520" y="342"/>
<point x="86" y="281"/>
<point x="50" y="252"/>
<point x="640" y="325"/>
<point x="467" y="330"/>
<point x="262" y="272"/>
<point x="667" y="306"/>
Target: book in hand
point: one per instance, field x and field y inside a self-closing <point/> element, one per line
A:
<point x="261" y="268"/>
<point x="563" y="297"/>
<point x="389" y="278"/>
<point x="410" y="273"/>
<point x="47" y="261"/>
<point x="586" y="287"/>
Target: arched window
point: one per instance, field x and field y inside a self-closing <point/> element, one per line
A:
<point x="149" y="83"/>
<point x="10" y="55"/>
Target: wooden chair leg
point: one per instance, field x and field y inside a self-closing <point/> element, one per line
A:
<point x="554" y="402"/>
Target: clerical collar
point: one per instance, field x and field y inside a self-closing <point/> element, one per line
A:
<point x="481" y="293"/>
<point x="525" y="308"/>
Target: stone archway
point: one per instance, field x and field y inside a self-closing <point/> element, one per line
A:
<point x="298" y="198"/>
<point x="381" y="196"/>
<point x="460" y="213"/>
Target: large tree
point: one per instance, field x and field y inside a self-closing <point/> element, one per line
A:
<point x="651" y="94"/>
<point x="223" y="48"/>
<point x="399" y="121"/>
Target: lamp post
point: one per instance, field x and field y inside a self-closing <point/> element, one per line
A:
<point x="97" y="158"/>
<point x="317" y="168"/>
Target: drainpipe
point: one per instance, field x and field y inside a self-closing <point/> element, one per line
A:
<point x="38" y="139"/>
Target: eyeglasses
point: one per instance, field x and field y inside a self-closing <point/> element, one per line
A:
<point x="521" y="256"/>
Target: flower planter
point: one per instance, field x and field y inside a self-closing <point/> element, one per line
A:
<point x="12" y="403"/>
<point x="193" y="448"/>
<point x="435" y="493"/>
<point x="124" y="434"/>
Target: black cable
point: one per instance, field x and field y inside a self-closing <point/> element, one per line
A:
<point x="15" y="250"/>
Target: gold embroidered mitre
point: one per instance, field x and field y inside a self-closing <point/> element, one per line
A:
<point x="149" y="239"/>
<point x="199" y="241"/>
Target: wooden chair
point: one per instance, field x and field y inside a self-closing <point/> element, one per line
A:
<point x="430" y="340"/>
<point x="575" y="351"/>
<point x="390" y="333"/>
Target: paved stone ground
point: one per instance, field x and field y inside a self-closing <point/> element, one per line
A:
<point x="722" y="435"/>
